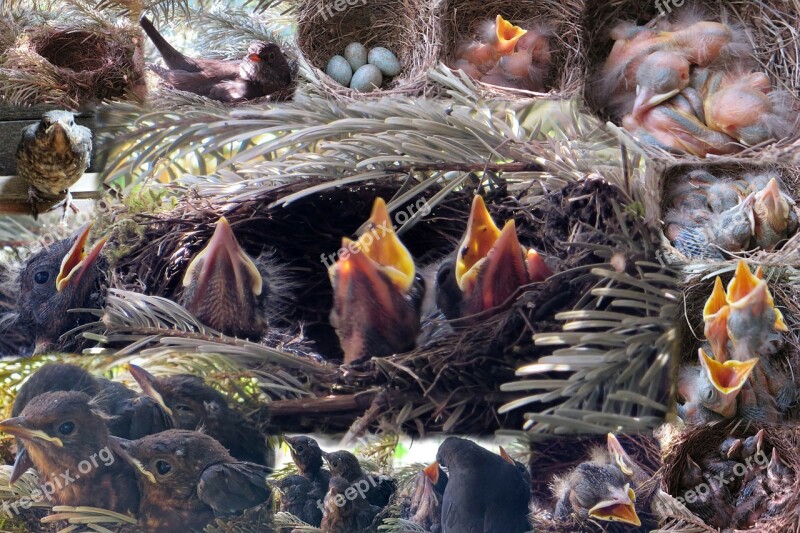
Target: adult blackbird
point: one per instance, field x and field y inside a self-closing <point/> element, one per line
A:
<point x="345" y="510"/>
<point x="377" y="292"/>
<point x="263" y="71"/>
<point x="225" y="289"/>
<point x="484" y="493"/>
<point x="378" y="489"/>
<point x="187" y="478"/>
<point x="60" y="277"/>
<point x="51" y="156"/>
<point x="128" y="415"/>
<point x="195" y="405"/>
<point x="487" y="268"/>
<point x="300" y="497"/>
<point x="68" y="442"/>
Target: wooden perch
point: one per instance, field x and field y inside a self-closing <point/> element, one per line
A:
<point x="14" y="194"/>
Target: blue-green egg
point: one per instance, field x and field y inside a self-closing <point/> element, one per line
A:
<point x="385" y="60"/>
<point x="356" y="55"/>
<point x="366" y="79"/>
<point x="339" y="69"/>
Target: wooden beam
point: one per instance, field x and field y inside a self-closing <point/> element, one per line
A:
<point x="14" y="194"/>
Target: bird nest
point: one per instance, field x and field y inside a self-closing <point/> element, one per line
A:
<point x="697" y="442"/>
<point x="555" y="458"/>
<point x="769" y="25"/>
<point x="451" y="382"/>
<point x="72" y="66"/>
<point x="406" y="27"/>
<point x="660" y="178"/>
<point x="460" y="21"/>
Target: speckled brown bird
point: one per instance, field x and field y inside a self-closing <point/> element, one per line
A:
<point x="51" y="156"/>
<point x="62" y="431"/>
<point x="489" y="266"/>
<point x="263" y="71"/>
<point x="344" y="513"/>
<point x="344" y="464"/>
<point x="195" y="405"/>
<point x="187" y="478"/>
<point x="129" y="415"/>
<point x="377" y="292"/>
<point x="225" y="289"/>
<point x="307" y="455"/>
<point x="58" y="278"/>
<point x="484" y="493"/>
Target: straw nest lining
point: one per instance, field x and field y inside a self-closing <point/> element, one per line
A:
<point x="661" y="178"/>
<point x="461" y="19"/>
<point x="76" y="65"/>
<point x="770" y="26"/>
<point x="698" y="441"/>
<point x="406" y="27"/>
<point x="451" y="382"/>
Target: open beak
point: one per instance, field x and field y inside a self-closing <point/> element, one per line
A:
<point x="537" y="268"/>
<point x="507" y="35"/>
<point x="223" y="259"/>
<point x="619" y="454"/>
<point x="432" y="472"/>
<point x="777" y="208"/>
<point x="745" y="289"/>
<point x="728" y="377"/>
<point x="77" y="261"/>
<point x="620" y="507"/>
<point x="716" y="332"/>
<point x="478" y="240"/>
<point x="716" y="301"/>
<point x="742" y="284"/>
<point x="16" y="427"/>
<point x="146" y="381"/>
<point x="22" y="464"/>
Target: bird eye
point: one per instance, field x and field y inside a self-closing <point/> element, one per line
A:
<point x="66" y="428"/>
<point x="182" y="407"/>
<point x="299" y="448"/>
<point x="709" y="394"/>
<point x="163" y="467"/>
<point x="41" y="277"/>
<point x="271" y="56"/>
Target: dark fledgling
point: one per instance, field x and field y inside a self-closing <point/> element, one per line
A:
<point x="310" y="488"/>
<point x="196" y="405"/>
<point x="379" y="488"/>
<point x="65" y="434"/>
<point x="263" y="71"/>
<point x="60" y="277"/>
<point x="52" y="155"/>
<point x="345" y="514"/>
<point x="187" y="478"/>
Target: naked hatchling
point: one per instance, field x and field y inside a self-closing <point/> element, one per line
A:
<point x="52" y="155"/>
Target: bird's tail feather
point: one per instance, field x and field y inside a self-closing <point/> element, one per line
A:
<point x="174" y="59"/>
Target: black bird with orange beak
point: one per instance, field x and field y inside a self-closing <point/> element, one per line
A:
<point x="61" y="277"/>
<point x="489" y="266"/>
<point x="225" y="289"/>
<point x="65" y="435"/>
<point x="377" y="292"/>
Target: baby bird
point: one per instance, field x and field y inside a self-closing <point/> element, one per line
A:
<point x="775" y="217"/>
<point x="51" y="156"/>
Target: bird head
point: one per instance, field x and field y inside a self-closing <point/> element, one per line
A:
<point x="773" y="206"/>
<point x="747" y="289"/>
<point x="377" y="291"/>
<point x="59" y="429"/>
<point x="432" y="472"/>
<point x="55" y="129"/>
<point x="60" y="277"/>
<point x="661" y="75"/>
<point x="619" y="456"/>
<point x="305" y="451"/>
<point x="619" y="505"/>
<point x="344" y="464"/>
<point x="503" y="35"/>
<point x="726" y="380"/>
<point x="491" y="264"/>
<point x="148" y="382"/>
<point x="171" y="463"/>
<point x="224" y="288"/>
<point x="715" y="317"/>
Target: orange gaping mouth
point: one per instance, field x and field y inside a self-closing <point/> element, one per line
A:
<point x="619" y="509"/>
<point x="77" y="261"/>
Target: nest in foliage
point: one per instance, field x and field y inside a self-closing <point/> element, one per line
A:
<point x="72" y="66"/>
<point x="661" y="178"/>
<point x="452" y="381"/>
<point x="770" y="27"/>
<point x="461" y="20"/>
<point x="557" y="458"/>
<point x="697" y="442"/>
<point x="406" y="27"/>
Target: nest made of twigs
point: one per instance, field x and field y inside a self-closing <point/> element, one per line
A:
<point x="451" y="381"/>
<point x="698" y="441"/>
<point x="406" y="27"/>
<point x="73" y="66"/>
<point x="460" y="20"/>
<point x="770" y="27"/>
<point x="660" y="178"/>
<point x="557" y="457"/>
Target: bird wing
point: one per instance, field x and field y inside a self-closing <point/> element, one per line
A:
<point x="229" y="488"/>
